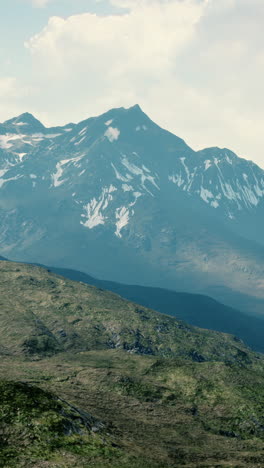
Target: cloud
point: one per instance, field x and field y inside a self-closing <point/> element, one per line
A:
<point x="115" y="59"/>
<point x="196" y="66"/>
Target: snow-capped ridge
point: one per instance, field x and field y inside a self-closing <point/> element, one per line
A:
<point x="125" y="149"/>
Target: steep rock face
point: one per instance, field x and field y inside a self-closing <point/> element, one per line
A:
<point x="120" y="197"/>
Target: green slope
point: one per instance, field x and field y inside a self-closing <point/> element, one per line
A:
<point x="196" y="309"/>
<point x="43" y="314"/>
<point x="162" y="393"/>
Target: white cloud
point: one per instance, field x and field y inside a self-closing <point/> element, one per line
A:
<point x="196" y="66"/>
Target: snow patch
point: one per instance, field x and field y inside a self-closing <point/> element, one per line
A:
<point x="109" y="122"/>
<point x="4" y="181"/>
<point x="206" y="194"/>
<point x="122" y="216"/>
<point x="83" y="131"/>
<point x="250" y="196"/>
<point x="21" y="155"/>
<point x="136" y="195"/>
<point x="52" y="135"/>
<point x="20" y="123"/>
<point x="127" y="188"/>
<point x="145" y="168"/>
<point x="80" y="141"/>
<point x="176" y="179"/>
<point x="112" y="134"/>
<point x="59" y="170"/>
<point x="217" y="161"/>
<point x="207" y="164"/>
<point x="118" y="175"/>
<point x="3" y="172"/>
<point x="57" y="175"/>
<point x="139" y="171"/>
<point x="94" y="209"/>
<point x="112" y="189"/>
<point x="258" y="190"/>
<point x="6" y="139"/>
<point x="186" y="168"/>
<point x="214" y="204"/>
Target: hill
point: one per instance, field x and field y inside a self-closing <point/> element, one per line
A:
<point x="44" y="314"/>
<point x="196" y="309"/>
<point x="165" y="394"/>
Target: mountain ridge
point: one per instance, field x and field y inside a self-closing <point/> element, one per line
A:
<point x="118" y="182"/>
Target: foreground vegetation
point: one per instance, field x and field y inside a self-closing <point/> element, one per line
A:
<point x="88" y="379"/>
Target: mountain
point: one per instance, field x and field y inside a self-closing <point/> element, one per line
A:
<point x="90" y="379"/>
<point x="118" y="196"/>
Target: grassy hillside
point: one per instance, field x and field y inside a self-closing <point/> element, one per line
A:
<point x="196" y="309"/>
<point x="161" y="393"/>
<point x="157" y="412"/>
<point x="43" y="314"/>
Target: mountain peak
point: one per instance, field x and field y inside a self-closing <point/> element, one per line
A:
<point x="135" y="107"/>
<point x="27" y="121"/>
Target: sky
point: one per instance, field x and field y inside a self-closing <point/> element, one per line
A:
<point x="196" y="67"/>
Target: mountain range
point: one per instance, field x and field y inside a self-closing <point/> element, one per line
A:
<point x="121" y="198"/>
